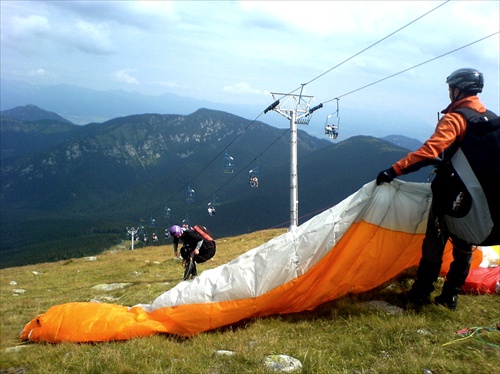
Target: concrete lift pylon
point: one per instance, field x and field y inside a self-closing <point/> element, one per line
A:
<point x="132" y="231"/>
<point x="297" y="109"/>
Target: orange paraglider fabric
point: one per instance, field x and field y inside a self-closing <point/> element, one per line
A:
<point x="91" y="322"/>
<point x="359" y="244"/>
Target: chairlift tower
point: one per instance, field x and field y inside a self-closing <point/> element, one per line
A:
<point x="296" y="109"/>
<point x="132" y="231"/>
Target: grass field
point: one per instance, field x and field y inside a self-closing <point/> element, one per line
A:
<point x="343" y="336"/>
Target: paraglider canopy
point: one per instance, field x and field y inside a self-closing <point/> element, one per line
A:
<point x="327" y="257"/>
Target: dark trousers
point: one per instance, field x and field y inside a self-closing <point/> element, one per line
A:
<point x="436" y="237"/>
<point x="207" y="251"/>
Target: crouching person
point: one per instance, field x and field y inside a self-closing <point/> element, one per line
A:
<point x="198" y="246"/>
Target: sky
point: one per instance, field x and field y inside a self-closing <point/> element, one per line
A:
<point x="238" y="52"/>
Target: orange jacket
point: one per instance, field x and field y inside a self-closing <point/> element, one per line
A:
<point x="449" y="130"/>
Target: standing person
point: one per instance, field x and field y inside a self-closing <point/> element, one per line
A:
<point x="463" y="86"/>
<point x="197" y="248"/>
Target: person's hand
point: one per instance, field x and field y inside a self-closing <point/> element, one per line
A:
<point x="386" y="176"/>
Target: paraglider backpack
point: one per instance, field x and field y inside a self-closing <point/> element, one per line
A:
<point x="466" y="187"/>
<point x="203" y="231"/>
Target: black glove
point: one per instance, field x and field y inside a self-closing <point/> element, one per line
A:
<point x="386" y="176"/>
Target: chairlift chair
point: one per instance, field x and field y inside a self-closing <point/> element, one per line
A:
<point x="190" y="195"/>
<point x="211" y="210"/>
<point x="211" y="207"/>
<point x="228" y="164"/>
<point x="332" y="129"/>
<point x="253" y="179"/>
<point x="185" y="222"/>
<point x="167" y="213"/>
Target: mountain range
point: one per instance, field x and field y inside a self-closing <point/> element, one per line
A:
<point x="82" y="105"/>
<point x="70" y="190"/>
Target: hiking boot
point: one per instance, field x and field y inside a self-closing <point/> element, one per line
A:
<point x="194" y="271"/>
<point x="448" y="301"/>
<point x="414" y="300"/>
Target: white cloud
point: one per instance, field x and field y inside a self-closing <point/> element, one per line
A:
<point x="89" y="37"/>
<point x="29" y="26"/>
<point x="223" y="50"/>
<point x="41" y="29"/>
<point x="167" y="84"/>
<point x="337" y="18"/>
<point x="151" y="8"/>
<point x="41" y="73"/>
<point x="123" y="76"/>
<point x="244" y="88"/>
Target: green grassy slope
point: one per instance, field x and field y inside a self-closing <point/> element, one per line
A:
<point x="343" y="336"/>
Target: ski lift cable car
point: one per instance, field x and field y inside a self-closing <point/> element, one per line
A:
<point x="185" y="222"/>
<point x="190" y="194"/>
<point x="253" y="178"/>
<point x="211" y="207"/>
<point x="332" y="128"/>
<point x="228" y="164"/>
<point x="152" y="222"/>
<point x="167" y="212"/>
